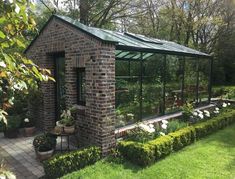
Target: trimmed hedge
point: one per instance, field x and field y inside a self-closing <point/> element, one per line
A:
<point x="144" y="154"/>
<point x="62" y="164"/>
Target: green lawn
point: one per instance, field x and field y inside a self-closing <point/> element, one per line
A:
<point x="212" y="157"/>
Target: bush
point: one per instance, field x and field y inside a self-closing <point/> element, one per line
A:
<point x="62" y="164"/>
<point x="162" y="146"/>
<point x="183" y="137"/>
<point x="139" y="153"/>
<point x="145" y="154"/>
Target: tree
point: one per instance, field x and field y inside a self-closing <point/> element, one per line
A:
<point x="17" y="73"/>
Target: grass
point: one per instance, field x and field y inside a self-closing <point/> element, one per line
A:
<point x="212" y="157"/>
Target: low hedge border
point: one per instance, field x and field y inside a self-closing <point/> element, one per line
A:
<point x="61" y="164"/>
<point x="144" y="154"/>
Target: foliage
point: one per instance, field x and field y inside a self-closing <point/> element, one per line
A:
<point x="67" y="118"/>
<point x="17" y="73"/>
<point x="6" y="173"/>
<point x="13" y="122"/>
<point x="62" y="164"/>
<point x="175" y="125"/>
<point x="146" y="154"/>
<point x="207" y="158"/>
<point x="139" y="135"/>
<point x="187" y="110"/>
<point x="44" y="141"/>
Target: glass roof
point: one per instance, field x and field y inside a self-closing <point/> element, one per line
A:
<point x="129" y="45"/>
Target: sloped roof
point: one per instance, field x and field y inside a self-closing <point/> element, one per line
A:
<point x="126" y="42"/>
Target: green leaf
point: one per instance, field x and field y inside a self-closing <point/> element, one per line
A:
<point x="2" y="35"/>
<point x="19" y="43"/>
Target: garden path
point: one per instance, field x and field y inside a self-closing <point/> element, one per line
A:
<point x="19" y="156"/>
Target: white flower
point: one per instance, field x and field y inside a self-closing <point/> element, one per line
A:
<point x="162" y="133"/>
<point x="201" y="116"/>
<point x="151" y="125"/>
<point x="17" y="9"/>
<point x="26" y="120"/>
<point x="147" y="128"/>
<point x="216" y="112"/>
<point x="195" y="113"/>
<point x="164" y="126"/>
<point x="2" y="64"/>
<point x="130" y="115"/>
<point x="164" y="121"/>
<point x="217" y="109"/>
<point x="207" y="113"/>
<point x="229" y="104"/>
<point x="224" y="105"/>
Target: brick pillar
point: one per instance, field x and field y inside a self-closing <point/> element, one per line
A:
<point x="99" y="123"/>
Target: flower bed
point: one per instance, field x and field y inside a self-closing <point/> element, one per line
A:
<point x="147" y="153"/>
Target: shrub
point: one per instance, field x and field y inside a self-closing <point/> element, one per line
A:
<point x="62" y="164"/>
<point x="145" y="154"/>
<point x="162" y="146"/>
<point x="183" y="137"/>
<point x="141" y="154"/>
<point x="175" y="125"/>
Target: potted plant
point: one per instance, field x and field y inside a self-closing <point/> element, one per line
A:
<point x="29" y="126"/>
<point x="67" y="121"/>
<point x="44" y="146"/>
<point x="11" y="128"/>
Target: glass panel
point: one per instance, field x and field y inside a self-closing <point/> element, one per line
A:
<point x="173" y="94"/>
<point x="152" y="86"/>
<point x="127" y="92"/>
<point x="190" y="80"/>
<point x="60" y="85"/>
<point x="204" y="70"/>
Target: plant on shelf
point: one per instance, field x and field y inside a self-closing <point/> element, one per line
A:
<point x="67" y="120"/>
<point x="29" y="126"/>
<point x="44" y="145"/>
<point x="11" y="128"/>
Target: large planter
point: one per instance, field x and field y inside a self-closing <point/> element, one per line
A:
<point x="44" y="155"/>
<point x="11" y="133"/>
<point x="29" y="131"/>
<point x="69" y="129"/>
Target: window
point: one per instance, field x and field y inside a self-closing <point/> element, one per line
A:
<point x="81" y="85"/>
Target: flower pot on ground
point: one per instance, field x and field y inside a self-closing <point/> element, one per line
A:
<point x="44" y="152"/>
<point x="29" y="127"/>
<point x="11" y="129"/>
<point x="44" y="146"/>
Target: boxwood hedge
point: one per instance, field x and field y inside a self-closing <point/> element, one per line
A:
<point x="62" y="164"/>
<point x="144" y="154"/>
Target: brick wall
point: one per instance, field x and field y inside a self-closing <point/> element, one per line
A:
<point x="95" y="121"/>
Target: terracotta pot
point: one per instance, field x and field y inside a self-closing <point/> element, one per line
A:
<point x="11" y="133"/>
<point x="69" y="129"/>
<point x="44" y="155"/>
<point x="29" y="131"/>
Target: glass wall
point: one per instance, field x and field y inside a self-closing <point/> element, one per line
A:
<point x="127" y="92"/>
<point x="173" y="88"/>
<point x="152" y="86"/>
<point x="157" y="85"/>
<point x="204" y="70"/>
<point x="190" y="80"/>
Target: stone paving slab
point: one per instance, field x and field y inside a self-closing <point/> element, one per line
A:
<point x="19" y="156"/>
